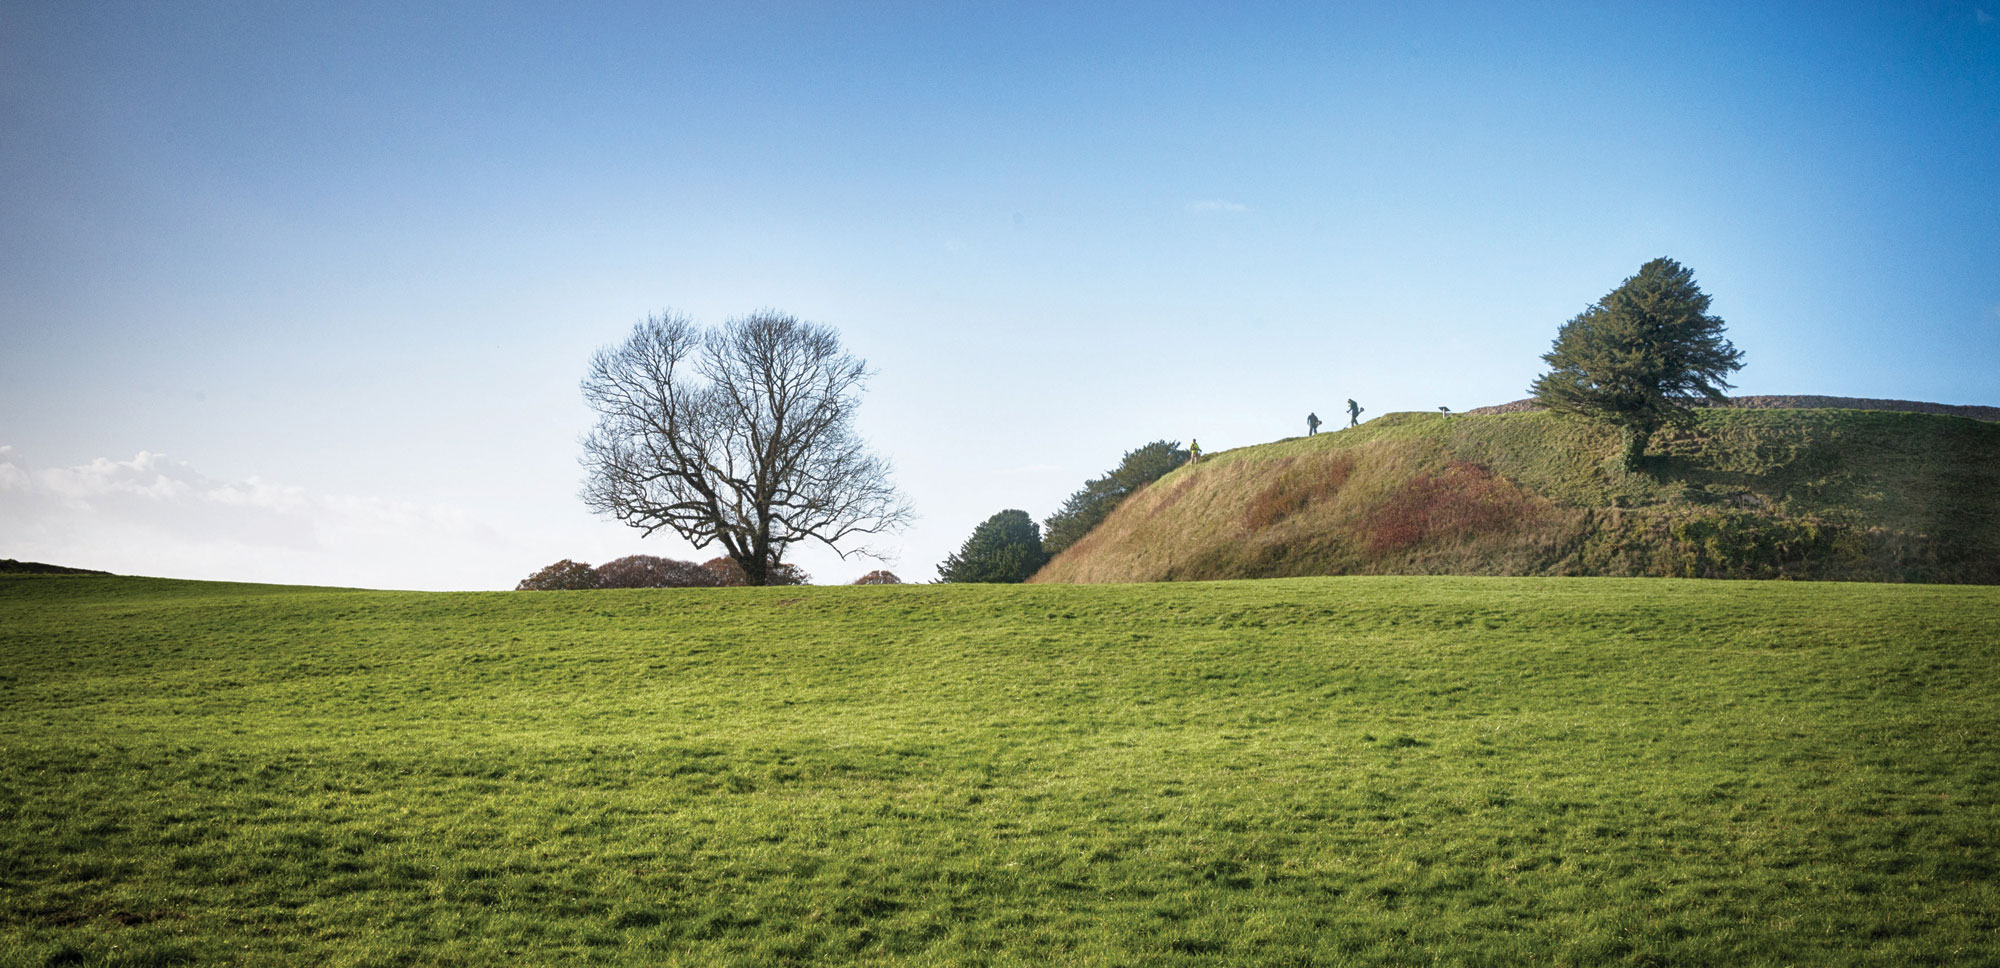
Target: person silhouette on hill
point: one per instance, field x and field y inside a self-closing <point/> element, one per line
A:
<point x="1194" y="451"/>
<point x="1312" y="424"/>
<point x="1353" y="413"/>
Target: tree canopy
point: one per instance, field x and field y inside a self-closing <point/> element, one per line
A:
<point x="650" y="571"/>
<point x="1006" y="547"/>
<point x="564" y="575"/>
<point x="1640" y="356"/>
<point x="740" y="436"/>
<point x="1097" y="498"/>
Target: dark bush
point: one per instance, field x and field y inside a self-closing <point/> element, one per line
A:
<point x="1006" y="547"/>
<point x="564" y="575"/>
<point x="879" y="578"/>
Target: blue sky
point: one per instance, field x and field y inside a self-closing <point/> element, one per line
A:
<point x="297" y="293"/>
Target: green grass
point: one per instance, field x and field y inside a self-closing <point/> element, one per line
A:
<point x="1846" y="495"/>
<point x="1394" y="771"/>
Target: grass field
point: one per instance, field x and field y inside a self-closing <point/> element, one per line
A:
<point x="1395" y="771"/>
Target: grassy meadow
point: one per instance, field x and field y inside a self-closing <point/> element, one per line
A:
<point x="1323" y="771"/>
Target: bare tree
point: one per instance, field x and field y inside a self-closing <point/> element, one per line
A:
<point x="741" y="435"/>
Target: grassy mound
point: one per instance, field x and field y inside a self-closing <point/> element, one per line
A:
<point x="9" y="566"/>
<point x="1393" y="771"/>
<point x="1737" y="493"/>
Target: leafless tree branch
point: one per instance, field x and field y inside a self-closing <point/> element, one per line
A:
<point x="741" y="435"/>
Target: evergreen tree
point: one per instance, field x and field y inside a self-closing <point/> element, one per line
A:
<point x="1641" y="356"/>
<point x="1088" y="507"/>
<point x="1006" y="547"/>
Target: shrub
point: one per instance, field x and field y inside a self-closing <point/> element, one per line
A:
<point x="729" y="574"/>
<point x="879" y="577"/>
<point x="564" y="575"/>
<point x="1744" y="544"/>
<point x="647" y="571"/>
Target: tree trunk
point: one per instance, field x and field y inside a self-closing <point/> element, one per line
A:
<point x="1635" y="446"/>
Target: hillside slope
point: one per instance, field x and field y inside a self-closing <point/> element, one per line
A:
<point x="1737" y="493"/>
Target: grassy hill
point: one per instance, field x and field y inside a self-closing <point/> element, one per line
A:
<point x="1738" y="493"/>
<point x="1384" y="771"/>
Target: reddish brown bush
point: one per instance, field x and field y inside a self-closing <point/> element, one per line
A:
<point x="647" y="571"/>
<point x="879" y="577"/>
<point x="1466" y="499"/>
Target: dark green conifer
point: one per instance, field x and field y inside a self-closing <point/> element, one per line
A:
<point x="1100" y="495"/>
<point x="1006" y="547"/>
<point x="1641" y="356"/>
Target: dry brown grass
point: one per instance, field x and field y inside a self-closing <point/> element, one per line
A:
<point x="1296" y="490"/>
<point x="1463" y="501"/>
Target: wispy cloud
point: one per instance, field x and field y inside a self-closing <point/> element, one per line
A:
<point x="1217" y="205"/>
<point x="1982" y="16"/>
<point x="156" y="515"/>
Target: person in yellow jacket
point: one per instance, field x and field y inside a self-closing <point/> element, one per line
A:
<point x="1194" y="451"/>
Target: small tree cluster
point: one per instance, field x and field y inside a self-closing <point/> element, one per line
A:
<point x="1090" y="506"/>
<point x="564" y="575"/>
<point x="1006" y="548"/>
<point x="648" y="571"/>
<point x="879" y="577"/>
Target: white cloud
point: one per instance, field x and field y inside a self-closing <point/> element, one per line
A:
<point x="159" y="516"/>
<point x="1217" y="205"/>
<point x="13" y="471"/>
